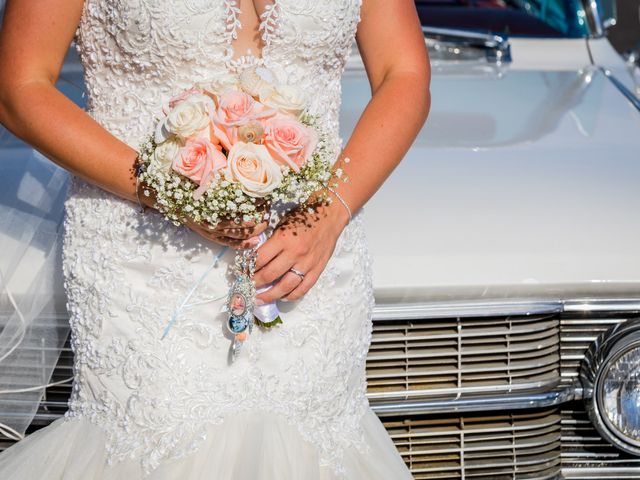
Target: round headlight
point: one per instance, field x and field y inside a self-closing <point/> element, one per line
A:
<point x="611" y="380"/>
<point x="620" y="395"/>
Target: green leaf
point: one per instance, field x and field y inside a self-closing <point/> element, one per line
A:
<point x="274" y="322"/>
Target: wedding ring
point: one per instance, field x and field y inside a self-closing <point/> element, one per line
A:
<point x="297" y="272"/>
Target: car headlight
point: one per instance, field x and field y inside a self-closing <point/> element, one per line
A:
<point x="611" y="383"/>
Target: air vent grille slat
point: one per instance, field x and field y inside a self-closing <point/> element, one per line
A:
<point x="459" y="356"/>
<point x="482" y="446"/>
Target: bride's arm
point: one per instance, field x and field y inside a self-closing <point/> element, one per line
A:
<point x="392" y="47"/>
<point x="34" y="39"/>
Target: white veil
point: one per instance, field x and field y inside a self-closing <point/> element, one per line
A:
<point x="33" y="318"/>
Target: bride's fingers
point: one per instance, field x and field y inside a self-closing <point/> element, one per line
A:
<point x="273" y="270"/>
<point x="268" y="251"/>
<point x="303" y="287"/>
<point x="287" y="284"/>
<point x="243" y="232"/>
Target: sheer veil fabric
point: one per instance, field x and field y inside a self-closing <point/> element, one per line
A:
<point x="294" y="404"/>
<point x="33" y="320"/>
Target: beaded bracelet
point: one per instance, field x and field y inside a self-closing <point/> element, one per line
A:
<point x="339" y="197"/>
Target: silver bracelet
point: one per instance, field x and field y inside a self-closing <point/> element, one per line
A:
<point x="142" y="207"/>
<point x="341" y="201"/>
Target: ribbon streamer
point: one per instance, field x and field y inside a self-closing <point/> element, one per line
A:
<point x="268" y="312"/>
<point x="193" y="289"/>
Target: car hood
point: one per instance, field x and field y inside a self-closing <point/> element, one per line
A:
<point x="521" y="183"/>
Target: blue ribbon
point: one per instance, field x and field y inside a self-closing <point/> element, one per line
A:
<point x="178" y="310"/>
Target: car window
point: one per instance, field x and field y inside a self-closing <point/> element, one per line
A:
<point x="531" y="18"/>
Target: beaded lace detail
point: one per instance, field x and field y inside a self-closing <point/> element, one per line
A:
<point x="125" y="271"/>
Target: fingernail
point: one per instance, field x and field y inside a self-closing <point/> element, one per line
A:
<point x="284" y="300"/>
<point x="259" y="302"/>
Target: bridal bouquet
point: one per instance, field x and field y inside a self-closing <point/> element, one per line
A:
<point x="229" y="150"/>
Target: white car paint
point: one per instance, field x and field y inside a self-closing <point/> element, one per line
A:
<point x="523" y="183"/>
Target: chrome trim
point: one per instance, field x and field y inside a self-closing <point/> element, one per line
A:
<point x="602" y="305"/>
<point x="599" y="473"/>
<point x="609" y="346"/>
<point x="554" y="397"/>
<point x="635" y="101"/>
<point x="472" y="308"/>
<point x="458" y="391"/>
<point x="596" y="26"/>
<point x="499" y="48"/>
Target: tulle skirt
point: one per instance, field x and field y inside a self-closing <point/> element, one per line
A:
<point x="248" y="446"/>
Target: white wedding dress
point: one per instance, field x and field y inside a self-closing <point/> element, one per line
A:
<point x="293" y="405"/>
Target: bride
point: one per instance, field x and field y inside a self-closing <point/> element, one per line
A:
<point x="293" y="405"/>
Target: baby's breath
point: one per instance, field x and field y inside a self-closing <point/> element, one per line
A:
<point x="225" y="200"/>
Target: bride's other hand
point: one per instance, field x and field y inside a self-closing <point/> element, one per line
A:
<point x="304" y="242"/>
<point x="229" y="233"/>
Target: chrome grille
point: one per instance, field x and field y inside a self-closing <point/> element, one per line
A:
<point x="520" y="445"/>
<point x="586" y="454"/>
<point x="447" y="357"/>
<point x="578" y="331"/>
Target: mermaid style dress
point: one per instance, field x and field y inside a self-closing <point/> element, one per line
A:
<point x="293" y="405"/>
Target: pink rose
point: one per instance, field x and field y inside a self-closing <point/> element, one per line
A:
<point x="198" y="160"/>
<point x="173" y="102"/>
<point x="289" y="142"/>
<point x="235" y="109"/>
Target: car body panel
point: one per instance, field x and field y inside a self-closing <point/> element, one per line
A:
<point x="523" y="182"/>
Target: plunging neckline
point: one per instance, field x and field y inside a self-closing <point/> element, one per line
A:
<point x="266" y="26"/>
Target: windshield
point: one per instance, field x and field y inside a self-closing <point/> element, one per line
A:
<point x="528" y="18"/>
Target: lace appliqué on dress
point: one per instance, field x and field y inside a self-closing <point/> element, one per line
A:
<point x="125" y="272"/>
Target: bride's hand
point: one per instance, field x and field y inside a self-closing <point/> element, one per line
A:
<point x="303" y="241"/>
<point x="243" y="235"/>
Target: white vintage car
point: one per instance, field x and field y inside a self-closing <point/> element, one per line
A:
<point x="506" y="249"/>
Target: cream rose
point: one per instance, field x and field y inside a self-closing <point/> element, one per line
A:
<point x="284" y="98"/>
<point x="189" y="116"/>
<point x="288" y="141"/>
<point x="256" y="80"/>
<point x="220" y="83"/>
<point x="165" y="154"/>
<point x="254" y="169"/>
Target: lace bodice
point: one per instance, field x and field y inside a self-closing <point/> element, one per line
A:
<point x="137" y="53"/>
<point x="125" y="272"/>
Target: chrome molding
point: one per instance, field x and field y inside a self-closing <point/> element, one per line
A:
<point x="497" y="46"/>
<point x="390" y="311"/>
<point x="635" y="101"/>
<point x="606" y="348"/>
<point x="507" y="401"/>
<point x="470" y="308"/>
<point x="598" y="24"/>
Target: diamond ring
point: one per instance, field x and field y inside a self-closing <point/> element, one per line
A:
<point x="297" y="272"/>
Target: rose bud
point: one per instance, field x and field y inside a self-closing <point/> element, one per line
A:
<point x="251" y="132"/>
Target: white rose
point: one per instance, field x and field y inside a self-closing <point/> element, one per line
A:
<point x="221" y="82"/>
<point x="254" y="169"/>
<point x="284" y="98"/>
<point x="188" y="117"/>
<point x="257" y="79"/>
<point x="165" y="153"/>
